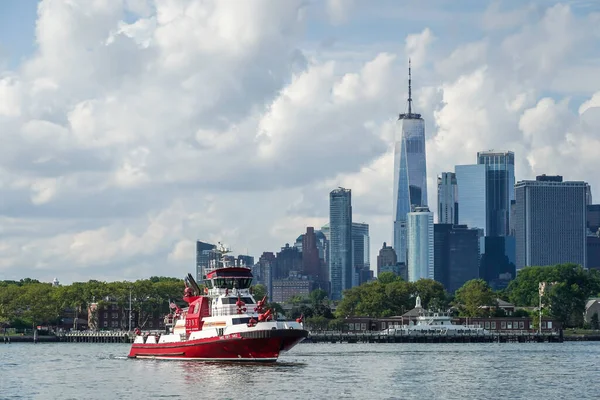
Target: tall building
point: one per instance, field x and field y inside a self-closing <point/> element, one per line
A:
<point x="410" y="172"/>
<point x="420" y="244"/>
<point x="497" y="265"/>
<point x="593" y="218"/>
<point x="447" y="198"/>
<point x="456" y="255"/>
<point x="264" y="271"/>
<point x="500" y="174"/>
<point x="204" y="253"/>
<point x="386" y="258"/>
<point x="360" y="252"/>
<point x="244" y="260"/>
<point x="472" y="195"/>
<point x="550" y="224"/>
<point x="340" y="243"/>
<point x="288" y="261"/>
<point x="311" y="262"/>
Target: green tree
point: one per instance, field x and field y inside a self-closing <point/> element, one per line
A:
<point x="428" y="289"/>
<point x="37" y="304"/>
<point x="472" y="295"/>
<point x="387" y="277"/>
<point x="259" y="291"/>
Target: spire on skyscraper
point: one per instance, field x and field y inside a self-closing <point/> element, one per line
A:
<point x="409" y="90"/>
<point x="410" y="114"/>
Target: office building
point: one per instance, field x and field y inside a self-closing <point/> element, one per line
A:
<point x="550" y="224"/>
<point x="420" y="244"/>
<point x="456" y="255"/>
<point x="410" y="172"/>
<point x="204" y="254"/>
<point x="447" y="191"/>
<point x="500" y="183"/>
<point x="341" y="271"/>
<point x="361" y="253"/>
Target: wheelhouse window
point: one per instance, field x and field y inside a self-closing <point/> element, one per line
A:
<point x="232" y="283"/>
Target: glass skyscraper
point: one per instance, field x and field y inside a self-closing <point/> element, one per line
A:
<point x="472" y="191"/>
<point x="410" y="172"/>
<point x="420" y="244"/>
<point x="360" y="251"/>
<point x="500" y="171"/>
<point x="341" y="271"/>
<point x="447" y="198"/>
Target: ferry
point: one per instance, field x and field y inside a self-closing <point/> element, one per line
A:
<point x="223" y="322"/>
<point x="438" y="323"/>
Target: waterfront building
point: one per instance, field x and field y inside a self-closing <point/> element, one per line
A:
<point x="456" y="255"/>
<point x="420" y="244"/>
<point x="550" y="224"/>
<point x="361" y="256"/>
<point x="447" y="191"/>
<point x="410" y="172"/>
<point x="340" y="242"/>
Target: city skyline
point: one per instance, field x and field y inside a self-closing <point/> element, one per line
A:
<point x="141" y="129"/>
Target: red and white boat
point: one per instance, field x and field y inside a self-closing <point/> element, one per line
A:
<point x="223" y="323"/>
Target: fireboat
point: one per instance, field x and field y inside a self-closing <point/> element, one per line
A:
<point x="223" y="322"/>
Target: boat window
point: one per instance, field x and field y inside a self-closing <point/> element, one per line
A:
<point x="232" y="283"/>
<point x="238" y="321"/>
<point x="233" y="300"/>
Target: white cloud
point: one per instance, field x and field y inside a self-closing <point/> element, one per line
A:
<point x="125" y="141"/>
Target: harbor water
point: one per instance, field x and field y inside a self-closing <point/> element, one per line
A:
<point x="309" y="371"/>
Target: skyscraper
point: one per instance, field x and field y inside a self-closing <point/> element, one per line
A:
<point x="420" y="244"/>
<point x="340" y="248"/>
<point x="550" y="224"/>
<point x="387" y="258"/>
<point x="500" y="187"/>
<point x="456" y="258"/>
<point x="204" y="254"/>
<point x="447" y="198"/>
<point x="410" y="171"/>
<point x="360" y="251"/>
<point x="472" y="192"/>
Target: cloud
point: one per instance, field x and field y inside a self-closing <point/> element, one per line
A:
<point x="138" y="126"/>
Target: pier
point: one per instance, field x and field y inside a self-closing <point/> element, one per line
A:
<point x="376" y="337"/>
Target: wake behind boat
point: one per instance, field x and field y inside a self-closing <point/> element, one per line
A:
<point x="224" y="322"/>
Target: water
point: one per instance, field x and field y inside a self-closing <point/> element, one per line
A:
<point x="309" y="371"/>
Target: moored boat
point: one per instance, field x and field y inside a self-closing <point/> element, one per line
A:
<point x="221" y="322"/>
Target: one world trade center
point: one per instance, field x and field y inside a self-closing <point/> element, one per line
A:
<point x="410" y="172"/>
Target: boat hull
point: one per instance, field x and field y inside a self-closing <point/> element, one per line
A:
<point x="265" y="346"/>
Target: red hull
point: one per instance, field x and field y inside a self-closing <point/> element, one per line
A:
<point x="257" y="346"/>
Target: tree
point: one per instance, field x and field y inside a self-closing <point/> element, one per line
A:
<point x="259" y="291"/>
<point x="37" y="304"/>
<point x="472" y="295"/>
<point x="428" y="289"/>
<point x="387" y="277"/>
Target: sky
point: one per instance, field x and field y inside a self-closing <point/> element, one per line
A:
<point x="129" y="129"/>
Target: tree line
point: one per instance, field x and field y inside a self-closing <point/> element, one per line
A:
<point x="28" y="302"/>
<point x="568" y="286"/>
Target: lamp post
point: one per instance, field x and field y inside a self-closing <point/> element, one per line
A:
<point x="129" y="310"/>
